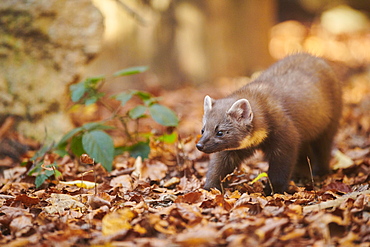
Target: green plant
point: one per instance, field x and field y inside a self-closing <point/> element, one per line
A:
<point x="91" y="138"/>
<point x="43" y="166"/>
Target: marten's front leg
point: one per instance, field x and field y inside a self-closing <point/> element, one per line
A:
<point x="223" y="163"/>
<point x="281" y="151"/>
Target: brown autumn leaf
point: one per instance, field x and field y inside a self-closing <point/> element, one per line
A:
<point x="191" y="215"/>
<point x="7" y="214"/>
<point x="27" y="200"/>
<point x="337" y="186"/>
<point x="21" y="225"/>
<point x="85" y="158"/>
<point x="124" y="181"/>
<point x="161" y="225"/>
<point x="201" y="235"/>
<point x="163" y="152"/>
<point x="95" y="201"/>
<point x="173" y="181"/>
<point x="296" y="233"/>
<point x="66" y="236"/>
<point x="155" y="170"/>
<point x="271" y="225"/>
<point x="191" y="197"/>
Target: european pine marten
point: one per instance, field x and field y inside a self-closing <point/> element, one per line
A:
<point x="290" y="112"/>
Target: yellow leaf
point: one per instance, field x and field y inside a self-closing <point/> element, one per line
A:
<point x="235" y="194"/>
<point x="80" y="184"/>
<point x="261" y="175"/>
<point x="343" y="161"/>
<point x="117" y="221"/>
<point x="139" y="229"/>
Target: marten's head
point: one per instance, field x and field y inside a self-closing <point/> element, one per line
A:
<point x="227" y="125"/>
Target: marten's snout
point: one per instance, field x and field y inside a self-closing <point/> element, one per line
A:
<point x="200" y="146"/>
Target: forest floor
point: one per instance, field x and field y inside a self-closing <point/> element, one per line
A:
<point x="159" y="201"/>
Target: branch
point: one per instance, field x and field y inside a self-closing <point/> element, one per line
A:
<point x="333" y="203"/>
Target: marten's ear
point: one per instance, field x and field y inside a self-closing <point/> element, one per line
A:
<point x="241" y="111"/>
<point x="208" y="102"/>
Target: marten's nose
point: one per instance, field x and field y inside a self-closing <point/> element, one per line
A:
<point x="199" y="146"/>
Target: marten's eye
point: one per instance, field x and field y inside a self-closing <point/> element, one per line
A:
<point x="219" y="133"/>
<point x="202" y="131"/>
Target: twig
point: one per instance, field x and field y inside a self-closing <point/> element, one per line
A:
<point x="6" y="197"/>
<point x="85" y="158"/>
<point x="333" y="203"/>
<point x="270" y="184"/>
<point x="125" y="128"/>
<point x="95" y="187"/>
<point x="312" y="180"/>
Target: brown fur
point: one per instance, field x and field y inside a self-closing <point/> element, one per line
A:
<point x="290" y="112"/>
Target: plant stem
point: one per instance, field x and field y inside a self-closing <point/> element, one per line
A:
<point x="120" y="118"/>
<point x="125" y="128"/>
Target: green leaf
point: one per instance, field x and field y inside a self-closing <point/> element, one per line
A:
<point x="261" y="175"/>
<point x="163" y="115"/>
<point x="42" y="151"/>
<point x="49" y="173"/>
<point x="142" y="95"/>
<point x="68" y="136"/>
<point x="76" y="146"/>
<point x="91" y="82"/>
<point x="131" y="71"/>
<point x="99" y="145"/>
<point x="137" y="112"/>
<point x="168" y="138"/>
<point x="92" y="97"/>
<point x="96" y="125"/>
<point x="36" y="168"/>
<point x="61" y="152"/>
<point x="91" y="100"/>
<point x="57" y="174"/>
<point x="123" y="97"/>
<point x="40" y="179"/>
<point x="77" y="91"/>
<point x="141" y="149"/>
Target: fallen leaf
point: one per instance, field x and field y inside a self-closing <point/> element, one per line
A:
<point x="296" y="233"/>
<point x="9" y="213"/>
<point x="199" y="236"/>
<point x="117" y="221"/>
<point x="171" y="182"/>
<point x="190" y="214"/>
<point x="96" y="202"/>
<point x="61" y="202"/>
<point x="80" y="184"/>
<point x="337" y="186"/>
<point x="343" y="161"/>
<point x="261" y="175"/>
<point x="191" y="197"/>
<point x="27" y="200"/>
<point x="270" y="225"/>
<point x="123" y="181"/>
<point x="21" y="225"/>
<point x="161" y="225"/>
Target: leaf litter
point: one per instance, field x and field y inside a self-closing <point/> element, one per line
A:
<point x="159" y="201"/>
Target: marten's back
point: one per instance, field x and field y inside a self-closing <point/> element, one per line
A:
<point x="304" y="87"/>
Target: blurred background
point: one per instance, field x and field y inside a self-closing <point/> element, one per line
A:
<point x="193" y="43"/>
<point x="192" y="48"/>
